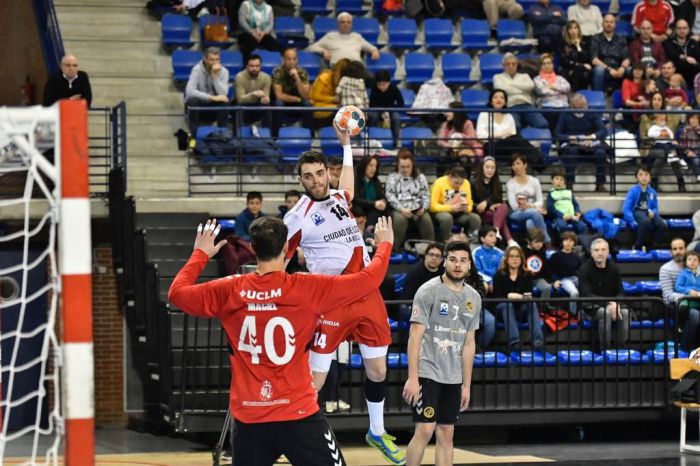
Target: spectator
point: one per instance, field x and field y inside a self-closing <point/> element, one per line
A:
<point x="536" y="262"/>
<point x="657" y="102"/>
<point x="68" y="83"/>
<point x="546" y="21"/>
<point x="323" y="91"/>
<point x="487" y="257"/>
<point x="351" y="88"/>
<point x="487" y="322"/>
<point x="495" y="8"/>
<point x="582" y="138"/>
<point x="207" y="87"/>
<point x="253" y="89"/>
<point x="564" y="265"/>
<point x="587" y="16"/>
<point x="633" y="96"/>
<point x="675" y="96"/>
<point x="664" y="150"/>
<point x="659" y="13"/>
<point x="496" y="130"/>
<point x="683" y="51"/>
<point x="193" y="7"/>
<point x="663" y="82"/>
<point x="688" y="283"/>
<point x="552" y="91"/>
<point x="688" y="319"/>
<point x="520" y="89"/>
<point x="335" y="166"/>
<point x="514" y="283"/>
<point x="600" y="278"/>
<point x="457" y="134"/>
<point x="369" y="191"/>
<point x="488" y="198"/>
<point x="291" y="86"/>
<point x="386" y="94"/>
<point x="641" y="206"/>
<point x="610" y="56"/>
<point x="647" y="52"/>
<point x="291" y="198"/>
<point x="343" y="43"/>
<point x="257" y="21"/>
<point x="451" y="202"/>
<point x="695" y="242"/>
<point x="690" y="142"/>
<point x="575" y="57"/>
<point x="525" y="198"/>
<point x="424" y="270"/>
<point x="562" y="205"/>
<point x="688" y="11"/>
<point x="408" y="195"/>
<point x="252" y="211"/>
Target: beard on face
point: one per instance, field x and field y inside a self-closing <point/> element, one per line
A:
<point x="456" y="277"/>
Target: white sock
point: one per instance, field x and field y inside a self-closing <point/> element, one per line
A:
<point x="376" y="417"/>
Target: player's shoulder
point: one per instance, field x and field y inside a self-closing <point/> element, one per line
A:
<point x="299" y="208"/>
<point x="428" y="288"/>
<point x="340" y="194"/>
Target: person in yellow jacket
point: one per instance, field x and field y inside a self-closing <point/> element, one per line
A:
<point x="323" y="91"/>
<point x="451" y="202"/>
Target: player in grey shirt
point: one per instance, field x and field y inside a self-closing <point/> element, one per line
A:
<point x="441" y="347"/>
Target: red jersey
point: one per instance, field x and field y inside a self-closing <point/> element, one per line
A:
<point x="270" y="321"/>
<point x="659" y="15"/>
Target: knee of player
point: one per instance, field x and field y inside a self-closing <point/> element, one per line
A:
<point x="376" y="372"/>
<point x="424" y="431"/>
<point x="444" y="433"/>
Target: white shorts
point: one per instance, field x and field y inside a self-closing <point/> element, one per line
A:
<point x="322" y="362"/>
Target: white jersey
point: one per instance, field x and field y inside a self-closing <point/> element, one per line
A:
<point x="328" y="235"/>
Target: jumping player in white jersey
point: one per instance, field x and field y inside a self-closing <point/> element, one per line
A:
<point x="322" y="225"/>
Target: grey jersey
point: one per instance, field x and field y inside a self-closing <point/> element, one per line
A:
<point x="448" y="316"/>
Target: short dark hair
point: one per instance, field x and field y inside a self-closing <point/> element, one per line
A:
<point x="456" y="246"/>
<point x="518" y="156"/>
<point x="457" y="171"/>
<point x="692" y="252"/>
<point x="333" y="161"/>
<point x="434" y="245"/>
<point x="382" y="76"/>
<point x="253" y="195"/>
<point x="291" y="193"/>
<point x="486" y="229"/>
<point x="253" y="56"/>
<point x="569" y="235"/>
<point x="535" y="234"/>
<point x="358" y="211"/>
<point x="558" y="171"/>
<point x="310" y="156"/>
<point x="406" y="154"/>
<point x="267" y="237"/>
<point x="642" y="168"/>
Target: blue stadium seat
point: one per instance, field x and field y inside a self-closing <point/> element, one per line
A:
<point x="329" y="142"/>
<point x="232" y="60"/>
<point x="402" y="33"/>
<point x="456" y="68"/>
<point x="419" y="67"/>
<point x="393" y="324"/>
<point x="622" y="356"/>
<point x="626" y="9"/>
<point x="574" y="357"/>
<point x="227" y="224"/>
<point x="617" y="99"/>
<point x="541" y="136"/>
<point x="650" y="286"/>
<point x="204" y="131"/>
<point x="409" y="258"/>
<point x="491" y="359"/>
<point x="263" y="133"/>
<point x="270" y="60"/>
<point x="322" y="25"/>
<point x="510" y="29"/>
<point x="409" y="96"/>
<point x="645" y="324"/>
<point x="226" y="157"/>
<point x="659" y="356"/>
<point x="396" y="258"/>
<point x="410" y="134"/>
<point x="367" y="28"/>
<point x="631" y="288"/>
<point x="354" y="7"/>
<point x="490" y="64"/>
<point x="475" y="34"/>
<point x="386" y="61"/>
<point x="356" y="361"/>
<point x="661" y="255"/>
<point x="624" y="29"/>
<point x="183" y="61"/>
<point x="314" y="7"/>
<point x="393" y="360"/>
<point x="382" y="135"/>
<point x="293" y="141"/>
<point x="213" y="19"/>
<point x="630" y="255"/>
<point x="679" y="224"/>
<point x="596" y="99"/>
<point x="438" y="34"/>
<point x="404" y="361"/>
<point x="532" y="358"/>
<point x="176" y="30"/>
<point x="311" y="62"/>
<point x="290" y="32"/>
<point x="476" y="99"/>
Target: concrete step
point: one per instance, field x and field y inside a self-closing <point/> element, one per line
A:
<point x="125" y="4"/>
<point x="163" y="143"/>
<point x="77" y="29"/>
<point x="150" y="188"/>
<point x="153" y="65"/>
<point x="85" y="49"/>
<point x="108" y="15"/>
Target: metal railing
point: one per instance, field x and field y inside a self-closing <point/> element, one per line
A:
<point x="49" y="34"/>
<point x="107" y="146"/>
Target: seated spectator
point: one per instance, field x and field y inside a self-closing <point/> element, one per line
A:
<point x="334" y="166"/>
<point x="656" y="102"/>
<point x="257" y="21"/>
<point x="552" y="91"/>
<point x="664" y="149"/>
<point x="323" y="91"/>
<point x="424" y="270"/>
<point x="659" y="13"/>
<point x="564" y="266"/>
<point x="487" y="191"/>
<point x="562" y="205"/>
<point x="207" y="87"/>
<point x="351" y="88"/>
<point x="496" y="130"/>
<point x="688" y="320"/>
<point x="600" y="278"/>
<point x="525" y="198"/>
<point x="291" y="198"/>
<point x="695" y="242"/>
<point x="587" y="16"/>
<point x="253" y="89"/>
<point x="536" y="262"/>
<point x="610" y="56"/>
<point x="291" y="86"/>
<point x="520" y="89"/>
<point x="68" y="83"/>
<point x="495" y="8"/>
<point x="683" y="51"/>
<point x="663" y="82"/>
<point x="546" y="21"/>
<point x="575" y="57"/>
<point x="688" y="284"/>
<point x="690" y="142"/>
<point x="582" y="139"/>
<point x="408" y="195"/>
<point x="675" y="96"/>
<point x="514" y="283"/>
<point x="487" y="322"/>
<point x="688" y="11"/>
<point x="487" y="257"/>
<point x="633" y="96"/>
<point x="252" y="211"/>
<point x="386" y="94"/>
<point x="647" y="52"/>
<point x="457" y="134"/>
<point x="451" y="202"/>
<point x="641" y="206"/>
<point x="369" y="191"/>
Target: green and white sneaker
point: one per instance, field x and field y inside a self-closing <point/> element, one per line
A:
<point x="385" y="444"/>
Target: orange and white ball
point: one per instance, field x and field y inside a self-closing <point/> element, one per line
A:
<point x="350" y="119"/>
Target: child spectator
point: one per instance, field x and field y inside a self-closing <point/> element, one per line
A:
<point x="690" y="142"/>
<point x="451" y="202"/>
<point x="562" y="205"/>
<point x="291" y="198"/>
<point x="642" y="206"/>
<point x="386" y="94"/>
<point x="688" y="281"/>
<point x="564" y="266"/>
<point x="351" y="88"/>
<point x="252" y="211"/>
<point x="675" y="89"/>
<point x="487" y="257"/>
<point x="536" y="262"/>
<point x="664" y="150"/>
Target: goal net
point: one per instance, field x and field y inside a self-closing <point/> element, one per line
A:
<point x="46" y="362"/>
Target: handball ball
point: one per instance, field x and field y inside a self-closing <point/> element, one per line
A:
<point x="350" y="119"/>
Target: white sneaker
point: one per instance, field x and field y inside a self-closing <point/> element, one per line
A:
<point x="498" y="234"/>
<point x="343" y="406"/>
<point x="698" y="178"/>
<point x="512" y="242"/>
<point x="684" y="164"/>
<point x="331" y="406"/>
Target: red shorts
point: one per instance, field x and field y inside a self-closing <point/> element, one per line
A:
<point x="364" y="321"/>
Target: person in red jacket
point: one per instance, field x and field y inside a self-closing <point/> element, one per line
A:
<point x="269" y="318"/>
<point x="660" y="15"/>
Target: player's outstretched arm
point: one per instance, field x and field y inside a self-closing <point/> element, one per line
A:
<point x="347" y="173"/>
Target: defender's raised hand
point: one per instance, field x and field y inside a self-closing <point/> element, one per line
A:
<point x="206" y="235"/>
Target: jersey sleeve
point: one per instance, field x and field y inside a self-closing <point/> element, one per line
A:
<point x="422" y="302"/>
<point x="293" y="222"/>
<point x="476" y="301"/>
<point x="200" y="300"/>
